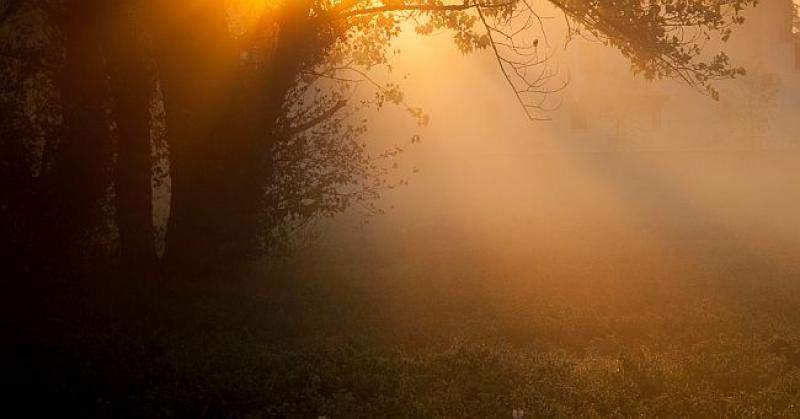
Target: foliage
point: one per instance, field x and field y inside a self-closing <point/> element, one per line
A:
<point x="300" y="140"/>
<point x="661" y="40"/>
<point x="665" y="38"/>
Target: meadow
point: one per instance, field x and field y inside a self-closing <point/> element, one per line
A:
<point x="646" y="300"/>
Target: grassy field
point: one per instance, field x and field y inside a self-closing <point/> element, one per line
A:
<point x="570" y="307"/>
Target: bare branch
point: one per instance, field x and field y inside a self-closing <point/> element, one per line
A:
<point x="322" y="117"/>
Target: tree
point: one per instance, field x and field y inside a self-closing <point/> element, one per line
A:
<point x="131" y="79"/>
<point x="255" y="100"/>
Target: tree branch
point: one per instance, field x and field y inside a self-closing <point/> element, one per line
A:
<point x="317" y="119"/>
<point x="419" y="8"/>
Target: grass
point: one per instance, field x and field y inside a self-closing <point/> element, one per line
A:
<point x="439" y="340"/>
<point x="669" y="315"/>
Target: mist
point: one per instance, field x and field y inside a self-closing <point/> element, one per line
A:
<point x="401" y="209"/>
<point x="625" y="166"/>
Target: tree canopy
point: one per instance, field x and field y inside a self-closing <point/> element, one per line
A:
<point x="251" y="101"/>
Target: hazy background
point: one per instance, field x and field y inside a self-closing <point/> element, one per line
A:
<point x="625" y="167"/>
<point x="633" y="255"/>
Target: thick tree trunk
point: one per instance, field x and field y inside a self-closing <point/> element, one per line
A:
<point x="79" y="182"/>
<point x="132" y="85"/>
<point x="199" y="70"/>
<point x="221" y="127"/>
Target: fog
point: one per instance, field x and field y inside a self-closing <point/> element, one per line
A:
<point x="610" y="246"/>
<point x="628" y="179"/>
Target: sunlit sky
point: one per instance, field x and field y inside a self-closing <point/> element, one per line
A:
<point x="482" y="163"/>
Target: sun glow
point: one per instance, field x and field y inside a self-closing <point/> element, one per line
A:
<point x="246" y="14"/>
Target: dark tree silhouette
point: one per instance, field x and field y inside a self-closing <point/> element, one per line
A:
<point x="256" y="106"/>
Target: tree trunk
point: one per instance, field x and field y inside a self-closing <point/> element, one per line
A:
<point x="221" y="126"/>
<point x="132" y="85"/>
<point x="79" y="182"/>
<point x="198" y="69"/>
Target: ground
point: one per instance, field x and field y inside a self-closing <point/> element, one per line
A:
<point x="661" y="302"/>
